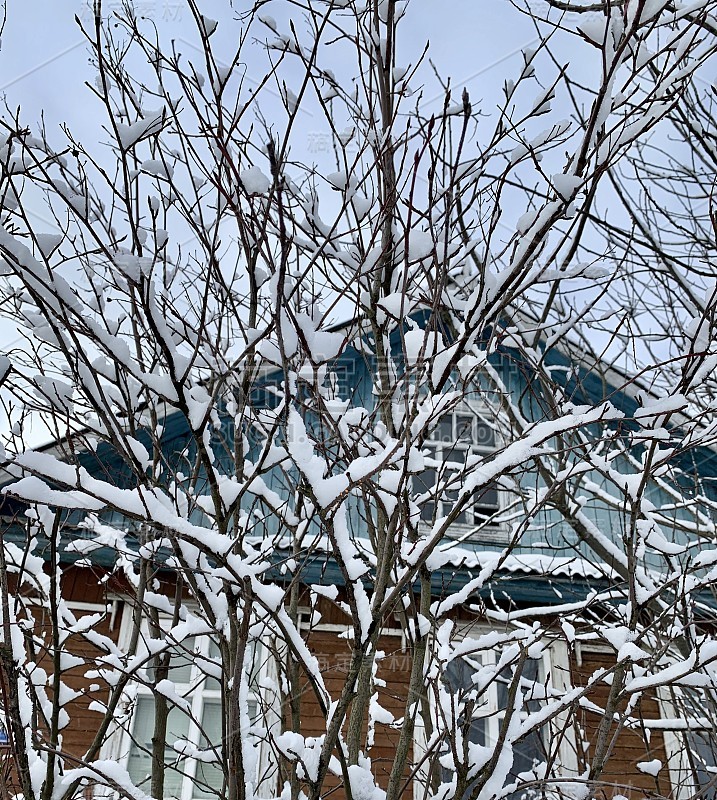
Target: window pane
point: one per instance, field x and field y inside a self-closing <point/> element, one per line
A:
<point x="424" y="482"/>
<point x="527" y="753"/>
<point x="531" y="672"/>
<point x="486" y="502"/>
<point x="180" y="662"/>
<point x="139" y="764"/>
<point x="449" y="504"/>
<point x="478" y="735"/>
<point x="485" y="435"/>
<point x="464" y="428"/>
<point x="530" y="750"/>
<point x="212" y="684"/>
<point x="209" y="775"/>
<point x="503" y="683"/>
<point x="458" y="678"/>
<point x="427" y="512"/>
<point x="700" y="745"/>
<point x="211" y="723"/>
<point x="456" y="453"/>
<point x="444" y="430"/>
<point x="253" y="710"/>
<point x="459" y="675"/>
<point x="703" y="762"/>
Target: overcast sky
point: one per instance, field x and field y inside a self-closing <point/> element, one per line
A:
<point x="44" y="63"/>
<point x="44" y="58"/>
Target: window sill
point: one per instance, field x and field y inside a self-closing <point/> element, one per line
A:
<point x="469" y="534"/>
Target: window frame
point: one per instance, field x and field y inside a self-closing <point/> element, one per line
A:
<point x="468" y="532"/>
<point x="676" y="742"/>
<point x="121" y="738"/>
<point x="555" y="666"/>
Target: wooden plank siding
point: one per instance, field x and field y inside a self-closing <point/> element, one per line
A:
<point x="82" y="586"/>
<point x="629" y="746"/>
<point x="332" y="652"/>
<point x="333" y="655"/>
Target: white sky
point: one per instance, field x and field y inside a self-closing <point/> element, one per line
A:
<point x="44" y="63"/>
<point x="44" y="58"/>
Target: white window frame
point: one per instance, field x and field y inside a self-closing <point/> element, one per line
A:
<point x="678" y="767"/>
<point x="468" y="531"/>
<point x="120" y="739"/>
<point x="555" y="667"/>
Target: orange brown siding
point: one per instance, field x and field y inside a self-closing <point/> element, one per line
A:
<point x="630" y="746"/>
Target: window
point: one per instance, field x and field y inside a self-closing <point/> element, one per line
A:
<point x="488" y="706"/>
<point x="199" y="724"/>
<point x="471" y="698"/>
<point x="456" y="436"/>
<point x="702" y="759"/>
<point x="195" y="722"/>
<point x="692" y="752"/>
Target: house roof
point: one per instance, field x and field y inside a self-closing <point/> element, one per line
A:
<point x="454" y="560"/>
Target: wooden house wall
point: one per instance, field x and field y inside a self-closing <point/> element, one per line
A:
<point x="333" y="652"/>
<point x="629" y="746"/>
<point x="333" y="655"/>
<point x="83" y="587"/>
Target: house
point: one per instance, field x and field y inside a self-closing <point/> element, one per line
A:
<point x="527" y="622"/>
